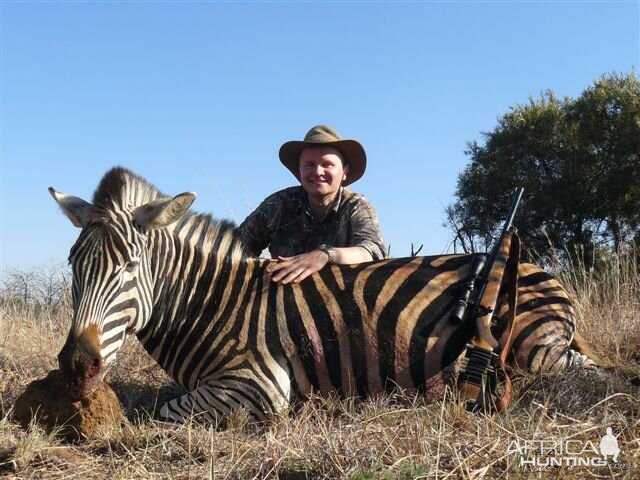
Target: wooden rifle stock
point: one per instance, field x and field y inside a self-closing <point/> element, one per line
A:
<point x="478" y="374"/>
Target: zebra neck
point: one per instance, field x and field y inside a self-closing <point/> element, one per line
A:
<point x="196" y="293"/>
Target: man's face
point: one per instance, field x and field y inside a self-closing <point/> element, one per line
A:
<point x="321" y="171"/>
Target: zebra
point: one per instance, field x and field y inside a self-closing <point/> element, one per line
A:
<point x="210" y="316"/>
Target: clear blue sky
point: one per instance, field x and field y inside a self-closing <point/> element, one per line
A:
<point x="199" y="96"/>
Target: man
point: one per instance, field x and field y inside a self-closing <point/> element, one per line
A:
<point x="320" y="221"/>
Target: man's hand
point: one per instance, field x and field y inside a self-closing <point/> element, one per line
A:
<point x="295" y="269"/>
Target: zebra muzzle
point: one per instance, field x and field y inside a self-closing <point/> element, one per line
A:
<point x="81" y="366"/>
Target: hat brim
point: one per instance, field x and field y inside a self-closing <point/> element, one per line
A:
<point x="352" y="152"/>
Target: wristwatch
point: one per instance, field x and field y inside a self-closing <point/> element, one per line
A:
<point x="329" y="250"/>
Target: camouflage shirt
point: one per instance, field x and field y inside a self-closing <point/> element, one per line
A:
<point x="284" y="223"/>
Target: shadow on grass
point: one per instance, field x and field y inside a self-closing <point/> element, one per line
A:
<point x="141" y="402"/>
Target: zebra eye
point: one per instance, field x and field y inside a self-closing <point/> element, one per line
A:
<point x="131" y="265"/>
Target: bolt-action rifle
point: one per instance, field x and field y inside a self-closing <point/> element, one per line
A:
<point x="478" y="377"/>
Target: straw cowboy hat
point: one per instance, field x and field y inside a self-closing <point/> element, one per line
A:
<point x="351" y="151"/>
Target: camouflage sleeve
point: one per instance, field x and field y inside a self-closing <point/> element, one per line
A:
<point x="257" y="229"/>
<point x="365" y="229"/>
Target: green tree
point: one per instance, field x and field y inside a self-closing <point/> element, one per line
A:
<point x="579" y="162"/>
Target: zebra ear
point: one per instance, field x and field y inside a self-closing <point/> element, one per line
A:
<point x="164" y="211"/>
<point x="75" y="208"/>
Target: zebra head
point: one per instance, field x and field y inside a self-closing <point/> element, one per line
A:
<point x="112" y="289"/>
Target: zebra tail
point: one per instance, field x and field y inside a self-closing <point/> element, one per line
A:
<point x="629" y="373"/>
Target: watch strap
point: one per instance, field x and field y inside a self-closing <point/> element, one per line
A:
<point x="329" y="250"/>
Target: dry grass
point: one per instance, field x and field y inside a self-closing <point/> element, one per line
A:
<point x="389" y="437"/>
<point x="607" y="302"/>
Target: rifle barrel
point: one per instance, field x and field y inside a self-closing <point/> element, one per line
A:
<point x="512" y="211"/>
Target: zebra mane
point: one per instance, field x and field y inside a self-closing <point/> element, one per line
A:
<point x="121" y="188"/>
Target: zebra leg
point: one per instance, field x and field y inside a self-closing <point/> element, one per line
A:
<point x="575" y="359"/>
<point x="216" y="399"/>
<point x="584" y="356"/>
<point x="557" y="354"/>
<point x="560" y="355"/>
